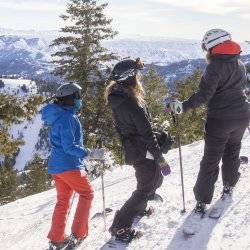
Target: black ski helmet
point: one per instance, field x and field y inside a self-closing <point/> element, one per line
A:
<point x="126" y="70"/>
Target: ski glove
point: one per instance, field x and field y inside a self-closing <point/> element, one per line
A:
<point x="96" y="154"/>
<point x="165" y="168"/>
<point x="176" y="107"/>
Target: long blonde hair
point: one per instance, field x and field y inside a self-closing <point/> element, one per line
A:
<point x="135" y="91"/>
<point x="209" y="57"/>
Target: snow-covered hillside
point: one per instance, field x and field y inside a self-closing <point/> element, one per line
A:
<point x="24" y="223"/>
<point x="18" y="87"/>
<point x="28" y="131"/>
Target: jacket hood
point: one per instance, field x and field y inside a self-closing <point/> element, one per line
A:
<point x="227" y="48"/>
<point x="117" y="96"/>
<point x="52" y="112"/>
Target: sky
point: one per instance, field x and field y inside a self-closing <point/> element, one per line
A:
<point x="159" y="18"/>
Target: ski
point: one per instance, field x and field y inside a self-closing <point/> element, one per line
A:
<point x="193" y="223"/>
<point x="113" y="243"/>
<point x="216" y="211"/>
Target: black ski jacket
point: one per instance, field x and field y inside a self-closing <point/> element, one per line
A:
<point x="222" y="89"/>
<point x="133" y="123"/>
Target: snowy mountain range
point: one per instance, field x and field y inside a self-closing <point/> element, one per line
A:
<point x="24" y="224"/>
<point x="27" y="53"/>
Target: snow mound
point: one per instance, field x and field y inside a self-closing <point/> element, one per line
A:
<point x="24" y="223"/>
<point x="18" y="87"/>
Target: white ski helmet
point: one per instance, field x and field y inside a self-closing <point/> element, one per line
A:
<point x="67" y="89"/>
<point x="214" y="37"/>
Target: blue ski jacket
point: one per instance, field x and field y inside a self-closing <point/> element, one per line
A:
<point x="66" y="138"/>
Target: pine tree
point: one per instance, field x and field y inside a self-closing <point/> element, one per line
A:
<point x="10" y="112"/>
<point x="37" y="179"/>
<point x="156" y="90"/>
<point x="8" y="183"/>
<point x="191" y="122"/>
<point x="14" y="110"/>
<point x="81" y="57"/>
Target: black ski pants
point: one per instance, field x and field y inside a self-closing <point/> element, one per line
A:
<point x="222" y="141"/>
<point x="149" y="178"/>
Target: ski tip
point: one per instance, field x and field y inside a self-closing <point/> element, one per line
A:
<point x="188" y="234"/>
<point x="183" y="211"/>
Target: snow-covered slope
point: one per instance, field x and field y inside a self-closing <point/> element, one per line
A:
<point x="30" y="135"/>
<point x="18" y="87"/>
<point x="24" y="223"/>
<point x="28" y="131"/>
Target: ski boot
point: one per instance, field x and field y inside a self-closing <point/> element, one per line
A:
<point x="126" y="235"/>
<point x="74" y="242"/>
<point x="200" y="208"/>
<point x="112" y="228"/>
<point x="123" y="234"/>
<point x="58" y="245"/>
<point x="227" y="192"/>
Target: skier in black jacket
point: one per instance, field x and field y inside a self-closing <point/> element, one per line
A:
<point x="133" y="123"/>
<point x="222" y="89"/>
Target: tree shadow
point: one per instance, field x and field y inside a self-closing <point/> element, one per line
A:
<point x="200" y="240"/>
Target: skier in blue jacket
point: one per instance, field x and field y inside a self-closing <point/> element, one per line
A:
<point x="66" y="165"/>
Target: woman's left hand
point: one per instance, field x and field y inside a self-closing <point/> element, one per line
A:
<point x="176" y="106"/>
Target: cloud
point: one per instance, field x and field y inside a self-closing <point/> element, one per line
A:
<point x="219" y="7"/>
<point x="34" y="5"/>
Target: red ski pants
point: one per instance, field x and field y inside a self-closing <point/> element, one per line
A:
<point x="66" y="183"/>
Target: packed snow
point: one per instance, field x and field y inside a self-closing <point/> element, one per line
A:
<point x="24" y="224"/>
<point x="30" y="135"/>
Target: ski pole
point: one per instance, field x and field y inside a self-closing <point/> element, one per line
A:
<point x="103" y="197"/>
<point x="72" y="201"/>
<point x="99" y="144"/>
<point x="176" y="121"/>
